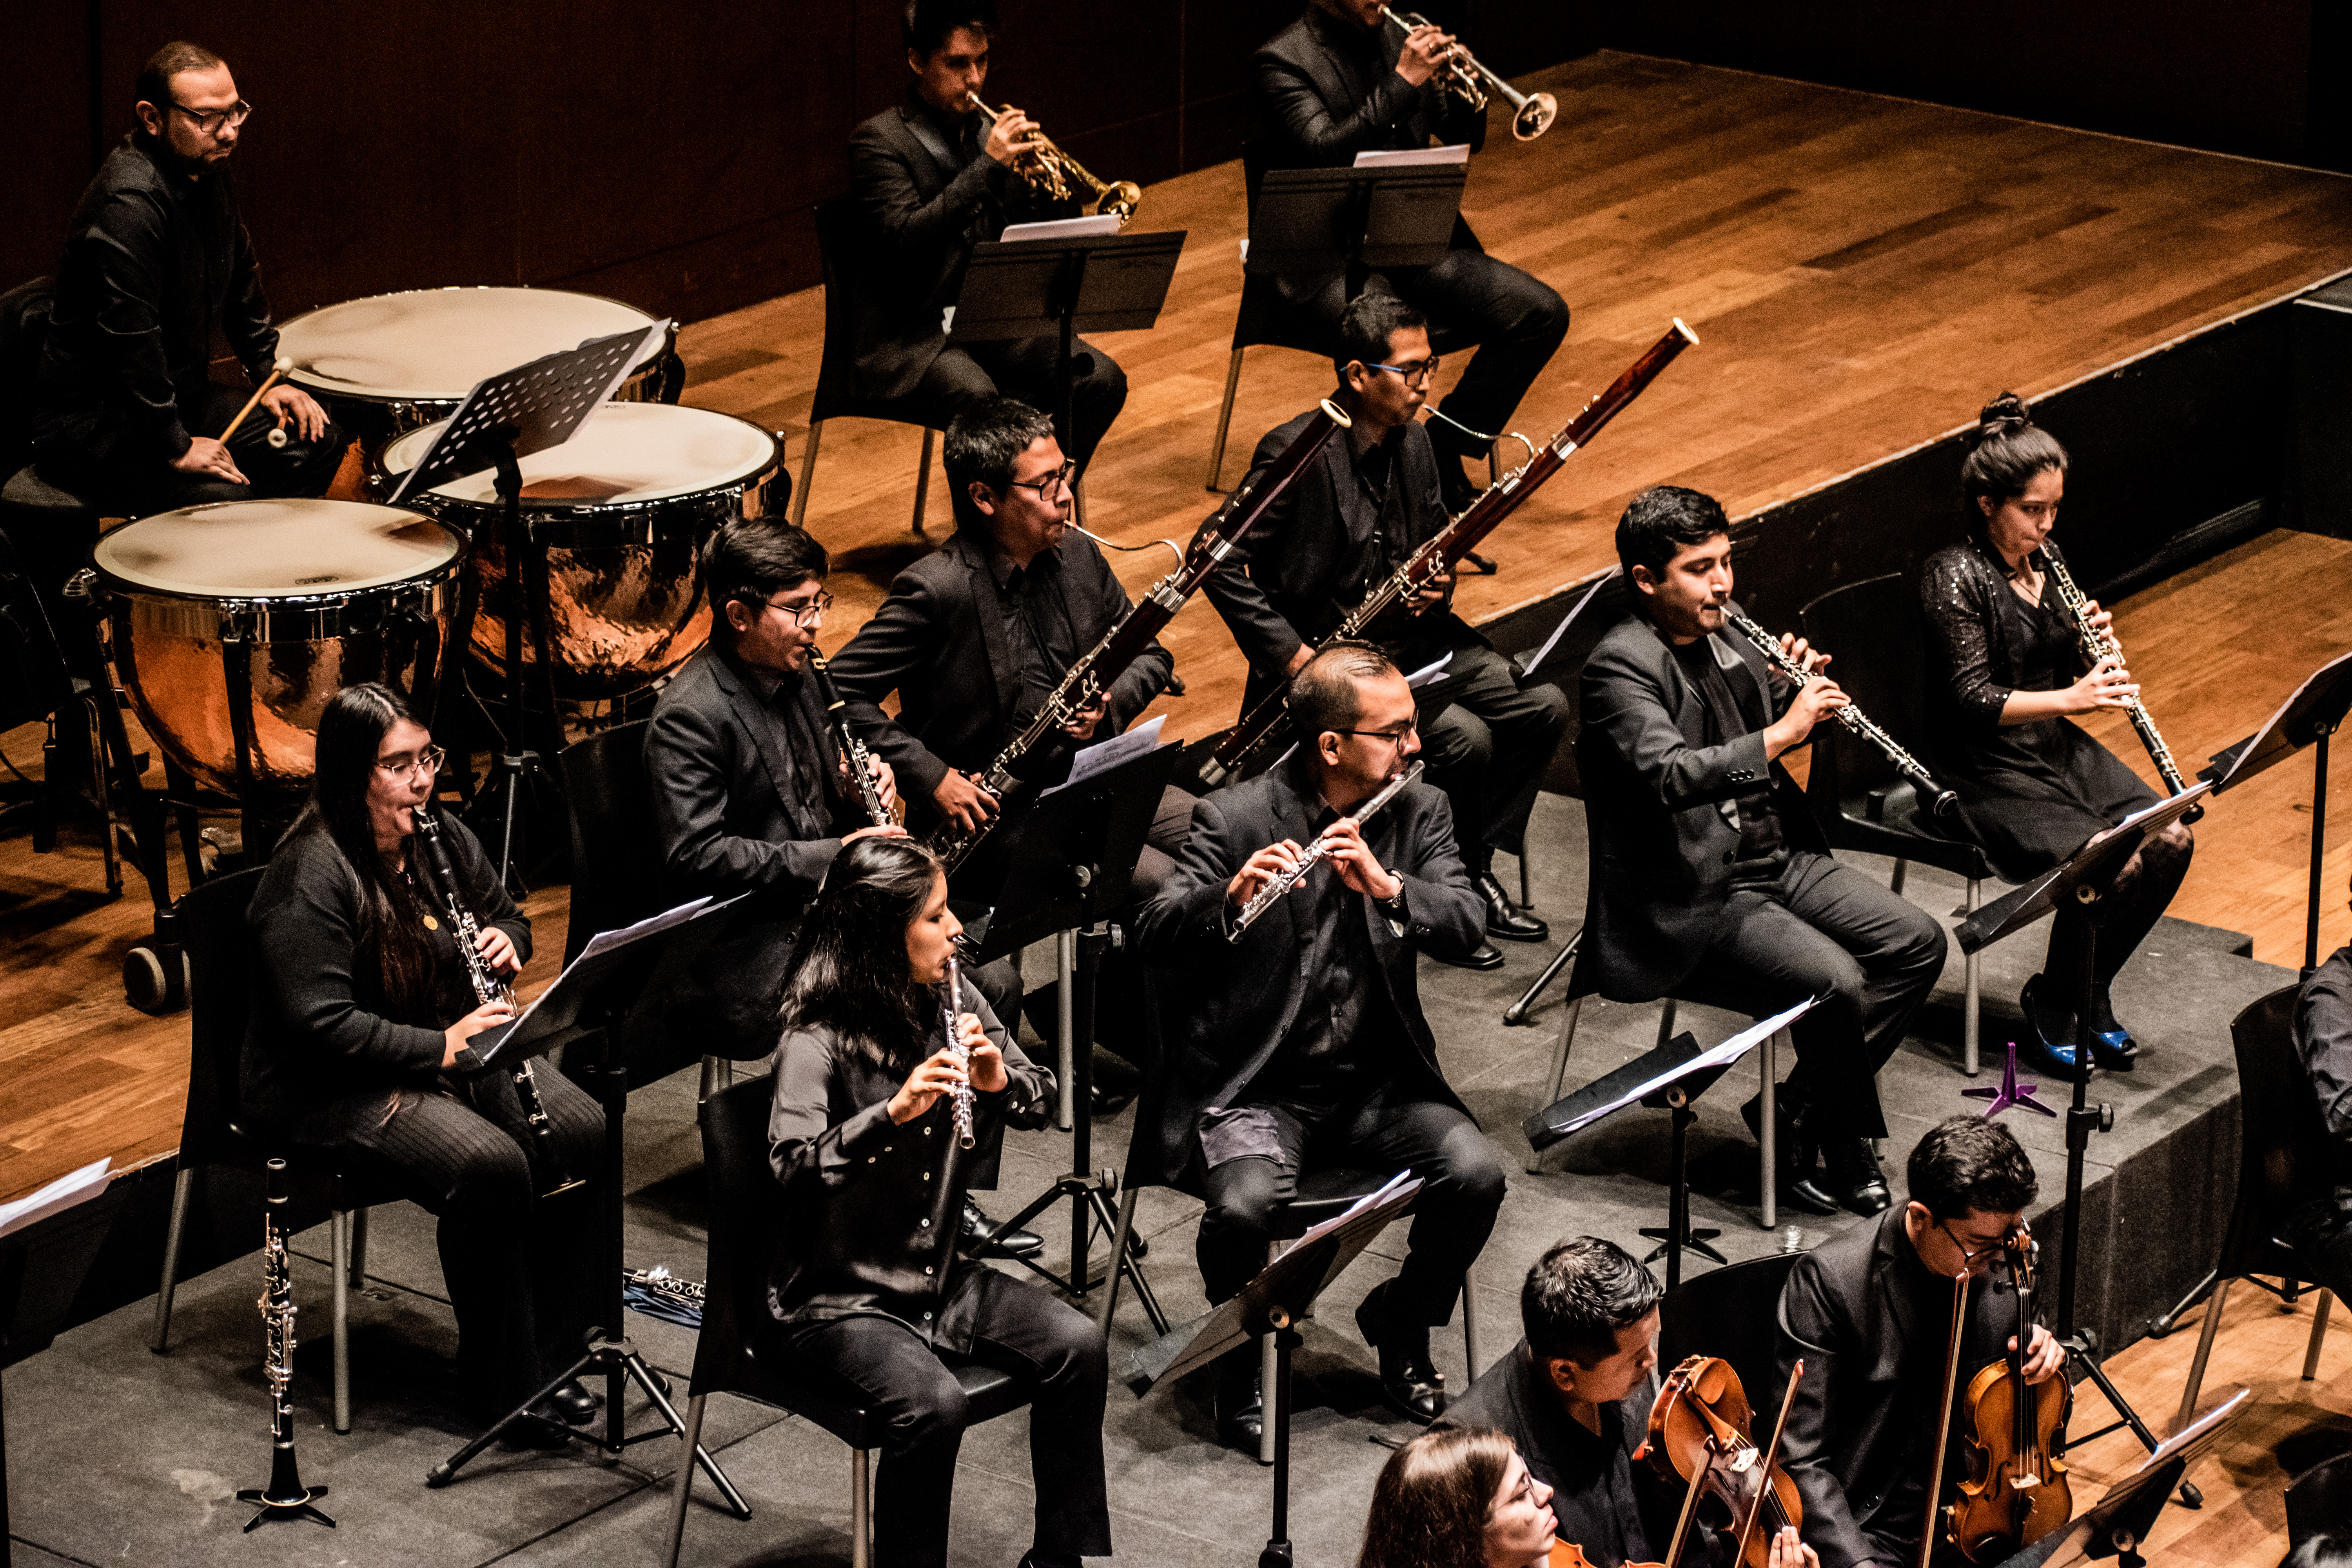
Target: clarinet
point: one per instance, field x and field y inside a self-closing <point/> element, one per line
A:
<point x="285" y="1496"/>
<point x="2099" y="645"/>
<point x="488" y="987"/>
<point x="1941" y="801"/>
<point x="961" y="1094"/>
<point x="852" y="750"/>
<point x="1266" y="897"/>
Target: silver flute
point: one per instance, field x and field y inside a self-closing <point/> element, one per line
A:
<point x="2098" y="643"/>
<point x="960" y="1095"/>
<point x="1940" y="800"/>
<point x="1266" y="897"/>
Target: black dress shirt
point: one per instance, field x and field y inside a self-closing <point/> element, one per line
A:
<point x="155" y="262"/>
<point x="1731" y="712"/>
<point x="1607" y="1505"/>
<point x="1030" y="599"/>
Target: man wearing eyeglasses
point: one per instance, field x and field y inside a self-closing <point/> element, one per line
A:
<point x="1869" y="1311"/>
<point x="1330" y="538"/>
<point x="156" y="261"/>
<point x="1299" y="1043"/>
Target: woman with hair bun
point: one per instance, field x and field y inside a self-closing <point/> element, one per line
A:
<point x="2006" y="679"/>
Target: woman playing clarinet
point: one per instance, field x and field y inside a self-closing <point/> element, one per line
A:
<point x="359" y="1043"/>
<point x="2006" y="679"/>
<point x="867" y="1280"/>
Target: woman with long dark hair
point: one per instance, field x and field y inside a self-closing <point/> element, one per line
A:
<point x="867" y="1281"/>
<point x="2006" y="679"/>
<point x="358" y="1043"/>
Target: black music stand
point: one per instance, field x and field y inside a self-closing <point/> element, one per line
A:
<point x="2314" y="713"/>
<point x="1669" y="1078"/>
<point x="2120" y="1522"/>
<point x="507" y="417"/>
<point x="1315" y="222"/>
<point x="2074" y="890"/>
<point x="46" y="1249"/>
<point x="1273" y="1303"/>
<point x="1039" y="288"/>
<point x="1068" y="856"/>
<point x="613" y="964"/>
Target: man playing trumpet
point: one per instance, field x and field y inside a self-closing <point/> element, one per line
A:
<point x="932" y="176"/>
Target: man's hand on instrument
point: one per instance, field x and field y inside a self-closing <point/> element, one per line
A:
<point x="1440" y="591"/>
<point x="1082" y="728"/>
<point x="886" y="780"/>
<point x="2108" y="684"/>
<point x="2043" y="1357"/>
<point x="206" y="455"/>
<point x="292" y="405"/>
<point x="1358" y="869"/>
<point x="1273" y="861"/>
<point x="988" y="1074"/>
<point x="1425" y="49"/>
<point x="489" y="1015"/>
<point x="933" y="1077"/>
<point x="1298" y="660"/>
<point x="962" y="801"/>
<point x="1013" y="138"/>
<point x="1789" y="1550"/>
<point x="498" y="950"/>
<point x="1815" y="702"/>
<point x="1802" y="652"/>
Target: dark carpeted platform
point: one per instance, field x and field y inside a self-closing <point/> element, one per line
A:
<point x="117" y="1455"/>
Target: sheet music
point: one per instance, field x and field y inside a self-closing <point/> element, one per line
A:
<point x="61" y="1193"/>
<point x="605" y="941"/>
<point x="1428" y="672"/>
<point x="1724" y="1055"/>
<point x="1104" y="755"/>
<point x="1369" y="1200"/>
<point x="1535" y="661"/>
<point x="1415" y="157"/>
<point x="1060" y="228"/>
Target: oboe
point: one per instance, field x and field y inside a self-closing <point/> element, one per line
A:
<point x="1940" y="800"/>
<point x="285" y="1497"/>
<point x="852" y="750"/>
<point x="1266" y="897"/>
<point x="488" y="987"/>
<point x="2099" y="644"/>
<point x="960" y="1095"/>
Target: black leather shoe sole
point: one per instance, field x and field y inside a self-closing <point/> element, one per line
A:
<point x="1808" y="1196"/>
<point x="1516" y="927"/>
<point x="1487" y="955"/>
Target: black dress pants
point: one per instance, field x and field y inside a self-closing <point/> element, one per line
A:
<point x="99" y="470"/>
<point x="521" y="1269"/>
<point x="1023" y="368"/>
<point x="1487" y="740"/>
<point x="1059" y="1358"/>
<point x="1455" y="1213"/>
<point x="1822" y="929"/>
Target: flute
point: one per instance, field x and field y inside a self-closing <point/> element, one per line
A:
<point x="959" y="1096"/>
<point x="1266" y="897"/>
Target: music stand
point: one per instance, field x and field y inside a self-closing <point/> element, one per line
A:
<point x="1670" y="1076"/>
<point x="2121" y="1521"/>
<point x="507" y="417"/>
<point x="613" y="964"/>
<point x="1033" y="288"/>
<point x="2314" y="712"/>
<point x="2074" y="889"/>
<point x="1273" y="1303"/>
<point x="1311" y="223"/>
<point x="1066" y="859"/>
<point x="48" y="1241"/>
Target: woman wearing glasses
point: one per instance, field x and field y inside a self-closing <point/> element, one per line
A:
<point x="359" y="1044"/>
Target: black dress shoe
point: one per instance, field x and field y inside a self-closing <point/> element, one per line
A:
<point x="542" y="1431"/>
<point x="1855" y="1178"/>
<point x="1413" y="1387"/>
<point x="983" y="1237"/>
<point x="1239" y="1401"/>
<point x="1505" y="918"/>
<point x="1485" y="955"/>
<point x="573" y="1403"/>
<point x="1792" y="1152"/>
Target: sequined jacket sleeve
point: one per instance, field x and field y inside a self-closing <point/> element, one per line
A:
<point x="1968" y="672"/>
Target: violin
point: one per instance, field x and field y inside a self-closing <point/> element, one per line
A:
<point x="2015" y="1491"/>
<point x="1569" y="1554"/>
<point x="1700" y="1434"/>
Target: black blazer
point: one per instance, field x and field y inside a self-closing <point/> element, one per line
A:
<point x="1652" y="798"/>
<point x="1853" y="1434"/>
<point x="1225" y="1006"/>
<point x="942" y="643"/>
<point x="922" y="213"/>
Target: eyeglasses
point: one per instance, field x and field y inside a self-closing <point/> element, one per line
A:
<point x="1046" y="486"/>
<point x="806" y="615"/>
<point x="1969" y="1256"/>
<point x="1393" y="737"/>
<point x="210" y="121"/>
<point x="429" y="760"/>
<point x="1417" y="374"/>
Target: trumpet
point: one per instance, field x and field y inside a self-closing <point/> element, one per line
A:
<point x="1531" y="112"/>
<point x="1050" y="172"/>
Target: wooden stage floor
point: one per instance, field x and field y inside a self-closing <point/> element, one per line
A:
<point x="1862" y="272"/>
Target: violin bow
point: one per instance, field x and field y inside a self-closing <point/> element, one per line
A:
<point x="1690" y="1506"/>
<point x="1764" y="1485"/>
<point x="1944" y="1423"/>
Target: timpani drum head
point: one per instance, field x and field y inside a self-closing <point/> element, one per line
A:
<point x="623" y="454"/>
<point x="275" y="549"/>
<point x="434" y="344"/>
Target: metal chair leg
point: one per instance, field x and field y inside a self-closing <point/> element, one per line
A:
<point x="861" y="1511"/>
<point x="808" y="468"/>
<point x="1269" y="1389"/>
<point x="183" y="1189"/>
<point x="2204" y="1349"/>
<point x="1224" y="417"/>
<point x="358" y="1274"/>
<point x="339" y="1248"/>
<point x="1971" y="1005"/>
<point x="684" y="1484"/>
<point x="1768" y="1138"/>
<point x="923" y="477"/>
<point x="2319" y="1335"/>
<point x="1527" y="877"/>
<point x="1895" y="882"/>
<point x="1559" y="1066"/>
<point x="1666" y="1022"/>
<point x="1472" y="1339"/>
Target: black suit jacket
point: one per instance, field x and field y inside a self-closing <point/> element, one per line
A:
<point x="923" y="211"/>
<point x="942" y="643"/>
<point x="1853" y="1435"/>
<point x="1654" y="794"/>
<point x="1225" y="1006"/>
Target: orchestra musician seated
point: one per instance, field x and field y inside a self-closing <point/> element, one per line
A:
<point x="358" y="1044"/>
<point x="2320" y="1224"/>
<point x="1298" y="1042"/>
<point x="1711" y="881"/>
<point x="863" y="1135"/>
<point x="932" y="178"/>
<point x="1870" y="1313"/>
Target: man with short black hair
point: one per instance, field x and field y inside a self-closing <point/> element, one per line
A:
<point x="156" y="261"/>
<point x="1710" y="880"/>
<point x="1574" y="1396"/>
<point x="1870" y="1313"/>
<point x="1369" y="500"/>
<point x="933" y="178"/>
<point x="1299" y="1042"/>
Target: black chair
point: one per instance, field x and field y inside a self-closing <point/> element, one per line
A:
<point x="746" y="1214"/>
<point x="221" y="961"/>
<point x="37" y="686"/>
<point x="837" y="244"/>
<point x="1733" y="1312"/>
<point x="1862" y="804"/>
<point x="2319" y="1500"/>
<point x="2283" y="1155"/>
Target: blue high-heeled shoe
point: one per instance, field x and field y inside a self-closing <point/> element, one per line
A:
<point x="2115" y="1049"/>
<point x="2049" y="1055"/>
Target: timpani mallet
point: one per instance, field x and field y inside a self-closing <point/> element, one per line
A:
<point x="278" y="434"/>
